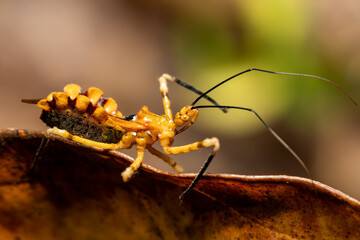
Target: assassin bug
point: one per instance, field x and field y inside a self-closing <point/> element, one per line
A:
<point x="89" y="118"/>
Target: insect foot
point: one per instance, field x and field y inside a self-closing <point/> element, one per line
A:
<point x="127" y="174"/>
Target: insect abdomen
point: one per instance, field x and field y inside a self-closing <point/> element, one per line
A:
<point x="84" y="114"/>
<point x="79" y="126"/>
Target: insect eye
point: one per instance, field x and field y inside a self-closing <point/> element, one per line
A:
<point x="184" y="117"/>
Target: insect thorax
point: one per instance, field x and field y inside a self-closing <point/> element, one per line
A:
<point x="79" y="126"/>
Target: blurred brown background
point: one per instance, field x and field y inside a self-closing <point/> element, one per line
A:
<point x="123" y="46"/>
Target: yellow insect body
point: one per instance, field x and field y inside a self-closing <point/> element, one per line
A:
<point x="90" y="119"/>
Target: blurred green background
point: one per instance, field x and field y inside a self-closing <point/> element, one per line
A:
<point x="123" y="46"/>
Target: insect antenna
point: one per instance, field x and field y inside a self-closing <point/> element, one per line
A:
<point x="193" y="89"/>
<point x="268" y="128"/>
<point x="279" y="73"/>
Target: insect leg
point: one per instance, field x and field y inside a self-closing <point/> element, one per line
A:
<point x="208" y="142"/>
<point x="270" y="130"/>
<point x="39" y="153"/>
<point x="129" y="171"/>
<point x="193" y="89"/>
<point x="166" y="159"/>
<point x="125" y="142"/>
<point x="164" y="92"/>
<point x="67" y="135"/>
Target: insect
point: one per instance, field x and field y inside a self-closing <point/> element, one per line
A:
<point x="87" y="117"/>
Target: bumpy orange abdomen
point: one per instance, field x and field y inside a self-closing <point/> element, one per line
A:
<point x="84" y="114"/>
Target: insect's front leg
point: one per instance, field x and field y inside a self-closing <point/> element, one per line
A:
<point x="164" y="92"/>
<point x="208" y="142"/>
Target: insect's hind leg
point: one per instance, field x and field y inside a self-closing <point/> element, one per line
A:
<point x="88" y="142"/>
<point x="208" y="142"/>
<point x="38" y="154"/>
<point x="166" y="159"/>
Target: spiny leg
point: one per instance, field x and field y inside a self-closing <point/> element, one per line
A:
<point x="166" y="159"/>
<point x="164" y="92"/>
<point x="208" y="142"/>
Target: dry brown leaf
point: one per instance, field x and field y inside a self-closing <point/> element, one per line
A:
<point x="77" y="193"/>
